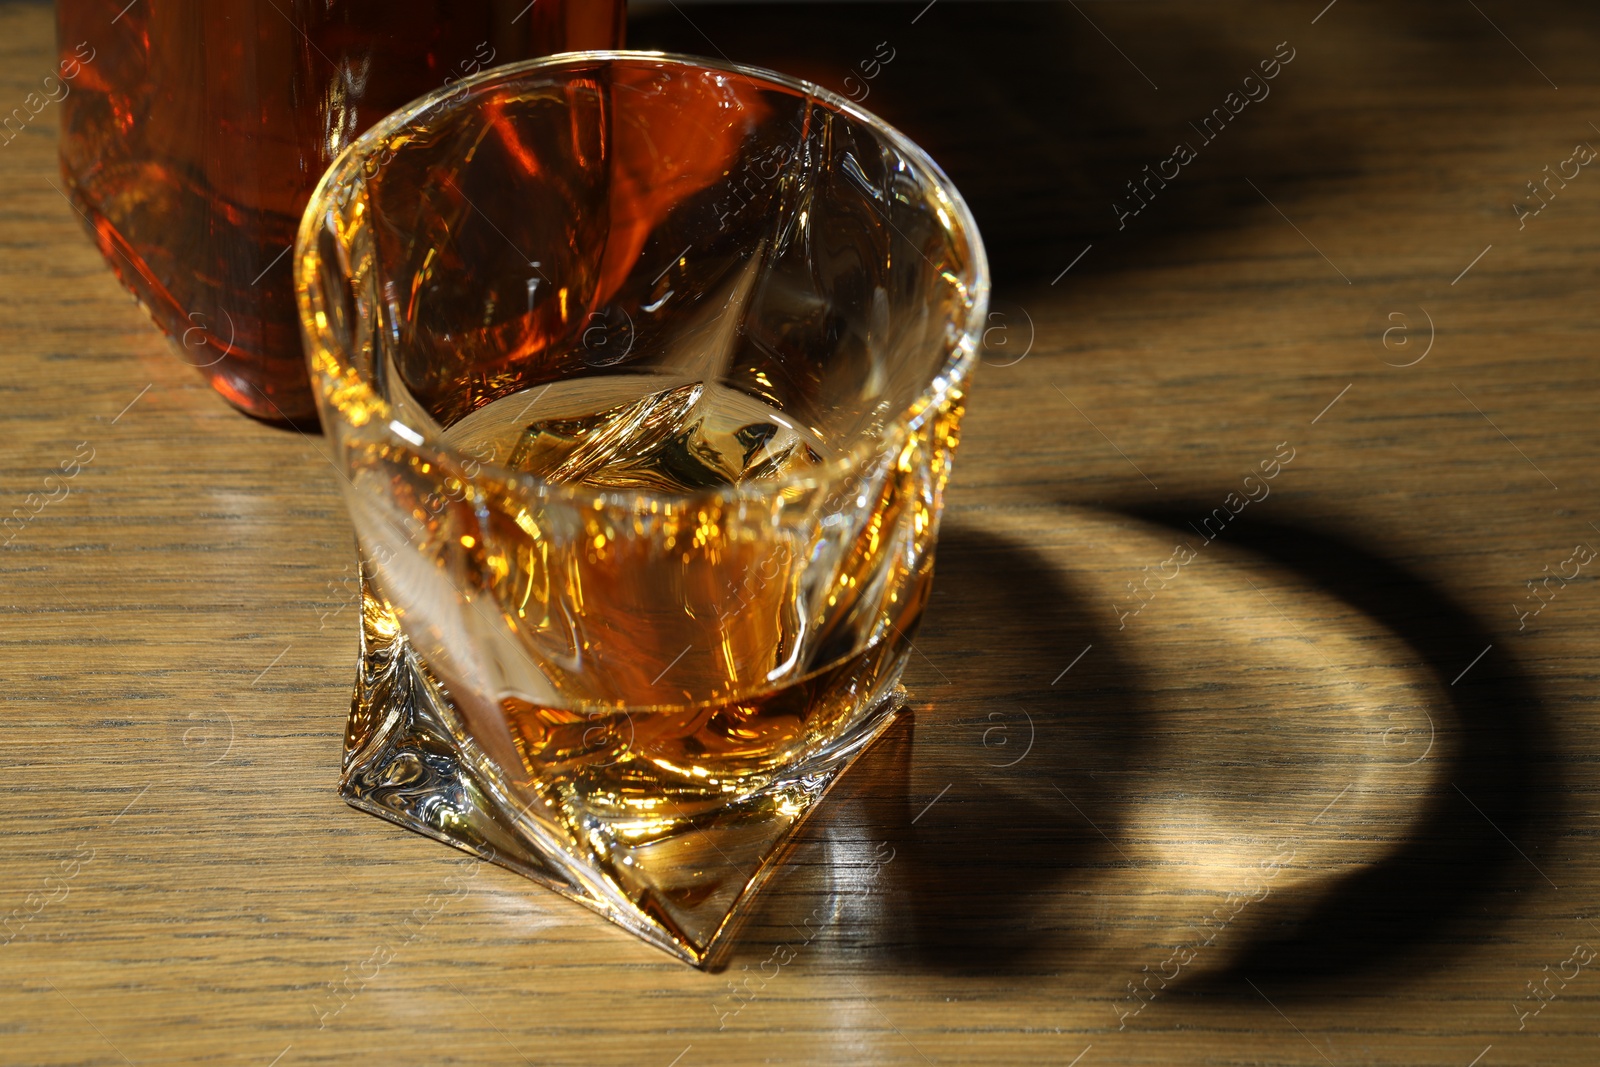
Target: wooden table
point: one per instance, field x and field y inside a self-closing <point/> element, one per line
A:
<point x="1323" y="792"/>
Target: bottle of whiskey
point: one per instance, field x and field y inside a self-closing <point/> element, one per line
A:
<point x="195" y="131"/>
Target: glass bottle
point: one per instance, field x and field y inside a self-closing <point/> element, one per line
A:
<point x="194" y="131"/>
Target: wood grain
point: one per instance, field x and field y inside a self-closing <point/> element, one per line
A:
<point x="1326" y="798"/>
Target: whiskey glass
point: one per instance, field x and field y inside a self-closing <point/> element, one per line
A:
<point x="193" y="131"/>
<point x="643" y="375"/>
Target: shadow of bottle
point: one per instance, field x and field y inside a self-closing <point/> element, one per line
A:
<point x="1045" y="126"/>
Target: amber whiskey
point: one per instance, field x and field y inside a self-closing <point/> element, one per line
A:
<point x="702" y="674"/>
<point x="194" y="136"/>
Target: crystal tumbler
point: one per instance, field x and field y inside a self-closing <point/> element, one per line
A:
<point x="643" y="375"/>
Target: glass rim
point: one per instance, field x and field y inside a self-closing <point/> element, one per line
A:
<point x="346" y="169"/>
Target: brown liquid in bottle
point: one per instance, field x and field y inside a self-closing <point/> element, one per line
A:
<point x="195" y="130"/>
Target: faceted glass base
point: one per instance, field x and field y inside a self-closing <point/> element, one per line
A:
<point x="409" y="759"/>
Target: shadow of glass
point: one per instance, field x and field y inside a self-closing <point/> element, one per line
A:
<point x="1075" y="817"/>
<point x="1496" y="806"/>
<point x="939" y="844"/>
